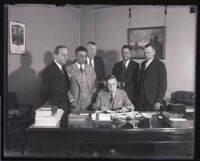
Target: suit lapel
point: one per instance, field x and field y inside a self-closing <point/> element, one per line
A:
<point x="61" y="75"/>
<point x="129" y="67"/>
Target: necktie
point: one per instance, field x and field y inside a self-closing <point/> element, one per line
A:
<point x="81" y="69"/>
<point x="111" y="97"/>
<point x="123" y="70"/>
<point x="63" y="70"/>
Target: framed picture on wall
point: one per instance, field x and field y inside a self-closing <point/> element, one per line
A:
<point x="17" y="37"/>
<point x="139" y="37"/>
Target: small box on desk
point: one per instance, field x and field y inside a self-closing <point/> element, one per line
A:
<point x="177" y="120"/>
<point x="78" y="121"/>
<point x="177" y="108"/>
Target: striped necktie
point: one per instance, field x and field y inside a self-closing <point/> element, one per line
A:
<point x="81" y="69"/>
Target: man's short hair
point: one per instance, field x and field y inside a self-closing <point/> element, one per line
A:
<point x="148" y="45"/>
<point x="111" y="77"/>
<point x="92" y="43"/>
<point x="80" y="48"/>
<point x="56" y="51"/>
<point x="126" y="46"/>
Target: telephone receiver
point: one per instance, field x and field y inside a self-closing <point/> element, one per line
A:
<point x="164" y="106"/>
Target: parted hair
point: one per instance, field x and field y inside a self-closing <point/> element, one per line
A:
<point x="56" y="51"/>
<point x="92" y="43"/>
<point x="126" y="46"/>
<point x="111" y="77"/>
<point x="80" y="48"/>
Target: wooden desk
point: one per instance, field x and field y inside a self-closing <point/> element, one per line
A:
<point x="110" y="143"/>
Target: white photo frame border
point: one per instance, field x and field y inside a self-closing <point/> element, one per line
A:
<point x="17" y="38"/>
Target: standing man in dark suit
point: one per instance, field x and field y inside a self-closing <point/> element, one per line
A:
<point x="152" y="80"/>
<point x="55" y="83"/>
<point x="126" y="72"/>
<point x="96" y="62"/>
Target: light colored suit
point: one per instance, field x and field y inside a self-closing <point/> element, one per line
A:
<point x="77" y="92"/>
<point x="120" y="100"/>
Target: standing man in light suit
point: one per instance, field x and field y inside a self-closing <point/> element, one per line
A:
<point x="152" y="81"/>
<point x="82" y="79"/>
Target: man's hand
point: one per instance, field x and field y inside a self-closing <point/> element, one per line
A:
<point x="103" y="108"/>
<point x="124" y="109"/>
<point x="74" y="111"/>
<point x="73" y="104"/>
<point x="157" y="106"/>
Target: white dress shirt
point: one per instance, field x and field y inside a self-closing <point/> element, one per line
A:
<point x="92" y="61"/>
<point x="148" y="62"/>
<point x="59" y="66"/>
<point x="79" y="65"/>
<point x="127" y="62"/>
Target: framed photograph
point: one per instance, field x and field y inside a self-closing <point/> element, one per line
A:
<point x="139" y="37"/>
<point x="17" y="37"/>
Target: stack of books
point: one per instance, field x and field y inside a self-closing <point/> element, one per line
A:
<point x="48" y="117"/>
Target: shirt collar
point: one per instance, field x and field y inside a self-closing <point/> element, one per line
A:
<point x="88" y="60"/>
<point x="59" y="66"/>
<point x="127" y="62"/>
<point x="83" y="66"/>
<point x="149" y="61"/>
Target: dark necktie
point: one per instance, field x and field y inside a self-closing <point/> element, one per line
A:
<point x="63" y="70"/>
<point x="111" y="97"/>
<point x="81" y="69"/>
<point x="123" y="70"/>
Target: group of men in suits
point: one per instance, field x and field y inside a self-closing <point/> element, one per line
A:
<point x="72" y="87"/>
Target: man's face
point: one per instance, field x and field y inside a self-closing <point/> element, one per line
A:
<point x="81" y="57"/>
<point x="126" y="54"/>
<point x="62" y="56"/>
<point x="92" y="50"/>
<point x="149" y="53"/>
<point x="112" y="85"/>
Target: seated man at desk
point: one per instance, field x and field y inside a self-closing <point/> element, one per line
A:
<point x="113" y="98"/>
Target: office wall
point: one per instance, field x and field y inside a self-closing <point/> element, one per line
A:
<point x="46" y="27"/>
<point x="110" y="33"/>
<point x="86" y="29"/>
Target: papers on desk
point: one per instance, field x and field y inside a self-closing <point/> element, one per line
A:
<point x="49" y="121"/>
<point x="99" y="116"/>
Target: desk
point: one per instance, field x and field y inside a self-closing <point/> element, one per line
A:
<point x="154" y="142"/>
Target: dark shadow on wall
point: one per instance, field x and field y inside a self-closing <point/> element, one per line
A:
<point x="22" y="81"/>
<point x="48" y="58"/>
<point x="110" y="57"/>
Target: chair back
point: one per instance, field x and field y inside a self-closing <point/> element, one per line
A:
<point x="12" y="101"/>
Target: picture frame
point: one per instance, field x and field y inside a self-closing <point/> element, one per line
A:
<point x="17" y="41"/>
<point x="139" y="37"/>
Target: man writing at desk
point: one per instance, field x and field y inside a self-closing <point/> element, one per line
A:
<point x="113" y="98"/>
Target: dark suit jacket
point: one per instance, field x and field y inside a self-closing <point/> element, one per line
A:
<point x="55" y="87"/>
<point x="153" y="81"/>
<point x="99" y="68"/>
<point x="130" y="78"/>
